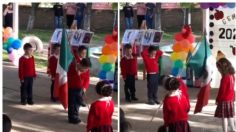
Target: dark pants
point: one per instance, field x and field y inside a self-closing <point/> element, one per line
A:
<point x="52" y="89"/>
<point x="149" y="21"/>
<point x="75" y="96"/>
<point x="140" y="19"/>
<point x="152" y="85"/>
<point x="26" y="90"/>
<point x="130" y="87"/>
<point x="69" y="20"/>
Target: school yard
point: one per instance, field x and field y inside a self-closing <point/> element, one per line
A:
<point x="139" y="114"/>
<point x="43" y="115"/>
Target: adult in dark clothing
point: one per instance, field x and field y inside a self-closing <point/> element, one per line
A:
<point x="150" y="15"/>
<point x="79" y="14"/>
<point x="128" y="12"/>
<point x="8" y="15"/>
<point x="58" y="15"/>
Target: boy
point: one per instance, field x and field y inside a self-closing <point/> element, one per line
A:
<point x="27" y="74"/>
<point x="52" y="67"/>
<point x="151" y="57"/>
<point x="129" y="73"/>
<point x="78" y="82"/>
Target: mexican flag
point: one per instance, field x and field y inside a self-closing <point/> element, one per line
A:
<point x="61" y="82"/>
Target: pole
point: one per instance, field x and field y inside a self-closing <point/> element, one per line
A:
<point x="15" y="19"/>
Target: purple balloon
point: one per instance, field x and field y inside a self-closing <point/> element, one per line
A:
<point x="214" y="5"/>
<point x="230" y="5"/>
<point x="204" y="5"/>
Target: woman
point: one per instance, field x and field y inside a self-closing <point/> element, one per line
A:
<point x="8" y="15"/>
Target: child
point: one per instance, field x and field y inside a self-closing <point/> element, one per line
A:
<point x="78" y="81"/>
<point x="225" y="98"/>
<point x="124" y="124"/>
<point x="129" y="73"/>
<point x="27" y="74"/>
<point x="7" y="125"/>
<point x="100" y="113"/>
<point x="52" y="67"/>
<point x="176" y="106"/>
<point x="151" y="57"/>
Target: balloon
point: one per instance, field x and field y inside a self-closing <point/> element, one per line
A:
<point x="12" y="55"/>
<point x="111" y="59"/>
<point x="178" y="64"/>
<point x="191" y="38"/>
<point x="204" y="5"/>
<point x="175" y="71"/>
<point x="110" y="76"/>
<point x="177" y="47"/>
<point x="106" y="67"/>
<point x="103" y="59"/>
<point x="7" y="30"/>
<point x="178" y="37"/>
<point x="10" y="40"/>
<point x="106" y="50"/>
<point x="16" y="44"/>
<point x="102" y="74"/>
<point x="5" y="46"/>
<point x="179" y="56"/>
<point x="109" y="39"/>
<point x="9" y="50"/>
<point x="230" y="5"/>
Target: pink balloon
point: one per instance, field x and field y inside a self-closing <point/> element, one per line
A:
<point x="191" y="38"/>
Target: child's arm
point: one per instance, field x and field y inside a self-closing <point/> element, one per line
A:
<point x="86" y="80"/>
<point x="159" y="54"/>
<point x="20" y="69"/>
<point x="91" y="118"/>
<point x="165" y="112"/>
<point x="136" y="68"/>
<point x="123" y="69"/>
<point x="223" y="86"/>
<point x="34" y="68"/>
<point x="144" y="54"/>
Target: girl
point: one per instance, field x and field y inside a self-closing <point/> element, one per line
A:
<point x="8" y="15"/>
<point x="225" y="97"/>
<point x="176" y="106"/>
<point x="100" y="113"/>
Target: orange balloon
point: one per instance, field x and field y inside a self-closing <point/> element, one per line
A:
<point x="8" y="31"/>
<point x="106" y="50"/>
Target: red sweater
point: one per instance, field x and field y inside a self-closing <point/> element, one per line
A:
<point x="75" y="80"/>
<point x="175" y="109"/>
<point x="52" y="66"/>
<point x="100" y="114"/>
<point x="128" y="66"/>
<point x="26" y="67"/>
<point x="151" y="64"/>
<point x="226" y="90"/>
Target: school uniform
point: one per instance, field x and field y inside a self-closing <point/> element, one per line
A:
<point x="129" y="72"/>
<point x="152" y="68"/>
<point x="175" y="111"/>
<point x="52" y="67"/>
<point x="76" y="83"/>
<point x="225" y="98"/>
<point x="100" y="115"/>
<point x="26" y="73"/>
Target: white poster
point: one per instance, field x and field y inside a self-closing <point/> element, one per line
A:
<point x="128" y="37"/>
<point x="56" y="36"/>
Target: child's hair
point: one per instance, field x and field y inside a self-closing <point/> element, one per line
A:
<point x="162" y="128"/>
<point x="225" y="66"/>
<point x="81" y="48"/>
<point x="6" y="123"/>
<point x="85" y="62"/>
<point x="27" y="46"/>
<point x="103" y="88"/>
<point x="55" y="46"/>
<point x="172" y="84"/>
<point x="151" y="48"/>
<point x="124" y="124"/>
<point x="127" y="46"/>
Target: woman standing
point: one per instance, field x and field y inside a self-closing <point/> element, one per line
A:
<point x="141" y="12"/>
<point x="8" y="15"/>
<point x="70" y="13"/>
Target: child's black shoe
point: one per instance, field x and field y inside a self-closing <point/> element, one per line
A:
<point x="30" y="102"/>
<point x="134" y="98"/>
<point x="23" y="103"/>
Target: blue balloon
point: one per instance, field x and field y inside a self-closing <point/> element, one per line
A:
<point x="10" y="40"/>
<point x="16" y="44"/>
<point x="110" y="75"/>
<point x="230" y="5"/>
<point x="175" y="71"/>
<point x="102" y="74"/>
<point x="9" y="50"/>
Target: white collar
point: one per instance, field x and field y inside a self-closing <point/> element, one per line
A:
<point x="27" y="57"/>
<point x="105" y="98"/>
<point x="177" y="93"/>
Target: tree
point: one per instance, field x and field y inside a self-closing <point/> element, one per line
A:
<point x="158" y="16"/>
<point x="114" y="8"/>
<point x="87" y="17"/>
<point x="30" y="24"/>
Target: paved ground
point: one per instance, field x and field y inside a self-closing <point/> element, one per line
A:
<point x="44" y="115"/>
<point x="139" y="114"/>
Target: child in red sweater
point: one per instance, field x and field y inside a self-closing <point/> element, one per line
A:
<point x="129" y="73"/>
<point x="26" y="75"/>
<point x="225" y="98"/>
<point x="52" y="66"/>
<point x="176" y="106"/>
<point x="151" y="57"/>
<point x="78" y="82"/>
<point x="100" y="113"/>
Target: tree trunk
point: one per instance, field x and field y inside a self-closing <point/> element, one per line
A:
<point x="158" y="16"/>
<point x="87" y="17"/>
<point x="30" y="24"/>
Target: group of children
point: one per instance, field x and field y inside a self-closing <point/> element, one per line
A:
<point x="100" y="112"/>
<point x="176" y="104"/>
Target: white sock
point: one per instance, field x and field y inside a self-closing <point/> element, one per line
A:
<point x="224" y="124"/>
<point x="232" y="124"/>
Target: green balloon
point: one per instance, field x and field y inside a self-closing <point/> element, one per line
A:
<point x="178" y="64"/>
<point x="5" y="46"/>
<point x="107" y="67"/>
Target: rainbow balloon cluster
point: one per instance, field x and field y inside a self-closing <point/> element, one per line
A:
<point x="108" y="58"/>
<point x="216" y="5"/>
<point x="181" y="48"/>
<point x="11" y="45"/>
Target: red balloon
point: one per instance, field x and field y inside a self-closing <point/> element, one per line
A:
<point x="191" y="38"/>
<point x="109" y="39"/>
<point x="178" y="37"/>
